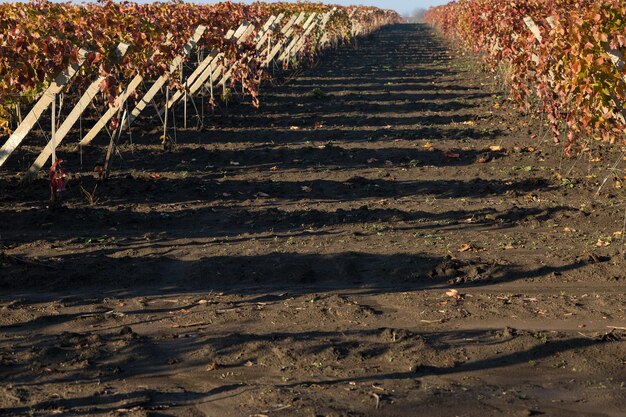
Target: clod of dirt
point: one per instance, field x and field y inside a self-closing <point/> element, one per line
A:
<point x="396" y="335"/>
<point x="508" y="332"/>
<point x="128" y="334"/>
<point x="612" y="336"/>
<point x="456" y="271"/>
<point x="592" y="258"/>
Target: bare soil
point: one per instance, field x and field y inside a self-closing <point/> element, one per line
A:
<point x="295" y="260"/>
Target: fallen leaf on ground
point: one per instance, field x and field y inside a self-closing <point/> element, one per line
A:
<point x="453" y="155"/>
<point x="495" y="148"/>
<point x="306" y="188"/>
<point x="484" y="158"/>
<point x="155" y="176"/>
<point x="274" y="168"/>
<point x="453" y="294"/>
<point x="466" y="247"/>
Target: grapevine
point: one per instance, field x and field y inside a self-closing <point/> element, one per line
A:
<point x="568" y="71"/>
<point x="40" y="39"/>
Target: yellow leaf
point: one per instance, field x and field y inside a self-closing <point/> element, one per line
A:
<point x="466" y="247"/>
<point x="453" y="294"/>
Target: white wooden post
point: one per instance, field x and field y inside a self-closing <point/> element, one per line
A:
<point x="221" y="69"/>
<point x="38" y="109"/>
<point x="534" y="29"/>
<point x="296" y="39"/>
<point x="205" y="69"/>
<point x="266" y="35"/>
<point x="156" y="87"/>
<point x="286" y="31"/>
<point x="70" y="120"/>
<point x="259" y="41"/>
<point x="53" y="125"/>
<point x="301" y="41"/>
<point x="106" y="117"/>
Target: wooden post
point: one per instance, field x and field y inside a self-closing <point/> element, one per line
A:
<point x="53" y="125"/>
<point x="259" y="41"/>
<point x="296" y="39"/>
<point x="106" y="117"/>
<point x="266" y="35"/>
<point x="205" y="69"/>
<point x="70" y="121"/>
<point x="298" y="43"/>
<point x="156" y="87"/>
<point x="532" y="26"/>
<point x="286" y="32"/>
<point x="38" y="109"/>
<point x="534" y="29"/>
<point x="221" y="69"/>
<point x="325" y="21"/>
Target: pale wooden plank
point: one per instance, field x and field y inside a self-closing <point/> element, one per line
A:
<point x="160" y="82"/>
<point x="204" y="70"/>
<point x="534" y="29"/>
<point x="298" y="47"/>
<point x="270" y="31"/>
<point x="286" y="31"/>
<point x="70" y="120"/>
<point x="294" y="41"/>
<point x="108" y="115"/>
<point x="219" y="72"/>
<point x="44" y="102"/>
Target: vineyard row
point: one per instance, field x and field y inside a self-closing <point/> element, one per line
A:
<point x="562" y="58"/>
<point x="52" y="51"/>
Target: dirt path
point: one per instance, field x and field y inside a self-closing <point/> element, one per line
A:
<point x="294" y="261"/>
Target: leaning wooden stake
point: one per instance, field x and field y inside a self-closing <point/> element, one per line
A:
<point x="264" y="38"/>
<point x="321" y="22"/>
<point x="267" y="28"/>
<point x="286" y="31"/>
<point x="221" y="69"/>
<point x="38" y="109"/>
<point x="206" y="68"/>
<point x="70" y="120"/>
<point x="112" y="110"/>
<point x="296" y="39"/>
<point x="260" y="40"/>
<point x="160" y="82"/>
